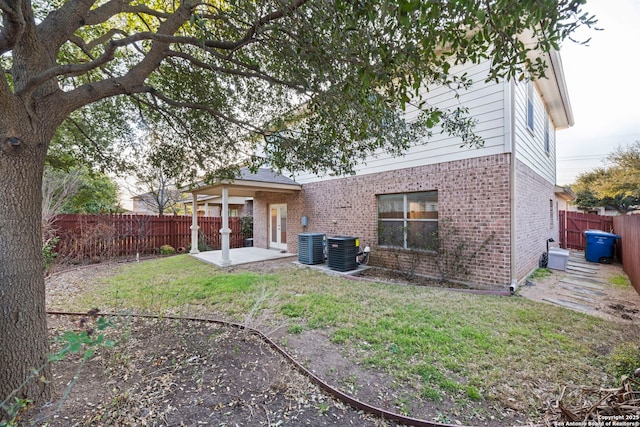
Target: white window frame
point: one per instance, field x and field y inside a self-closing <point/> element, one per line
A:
<point x="405" y="218"/>
<point x="531" y="112"/>
<point x="547" y="136"/>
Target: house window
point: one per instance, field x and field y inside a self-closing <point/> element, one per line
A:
<point x="551" y="215"/>
<point x="547" y="142"/>
<point x="530" y="93"/>
<point x="408" y="220"/>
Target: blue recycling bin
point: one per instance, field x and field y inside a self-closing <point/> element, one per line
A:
<point x="600" y="246"/>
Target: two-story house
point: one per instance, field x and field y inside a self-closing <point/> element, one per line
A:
<point x="500" y="198"/>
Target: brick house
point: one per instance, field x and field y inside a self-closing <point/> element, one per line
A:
<point x="505" y="189"/>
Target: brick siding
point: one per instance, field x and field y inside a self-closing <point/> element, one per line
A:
<point x="534" y="223"/>
<point x="472" y="193"/>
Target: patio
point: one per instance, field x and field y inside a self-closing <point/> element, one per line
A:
<point x="242" y="256"/>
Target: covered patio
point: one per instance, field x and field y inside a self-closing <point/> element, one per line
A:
<point x="247" y="184"/>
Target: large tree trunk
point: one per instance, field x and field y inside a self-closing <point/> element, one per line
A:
<point x="23" y="323"/>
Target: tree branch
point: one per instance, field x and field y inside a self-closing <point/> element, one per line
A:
<point x="69" y="70"/>
<point x="13" y="22"/>
<point x="194" y="106"/>
<point x="60" y="24"/>
<point x="114" y="7"/>
<point x="132" y="81"/>
<point x="253" y="73"/>
<point x="88" y="47"/>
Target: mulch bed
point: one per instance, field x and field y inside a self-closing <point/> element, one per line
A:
<point x="179" y="373"/>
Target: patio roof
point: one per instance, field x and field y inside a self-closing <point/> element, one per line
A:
<point x="245" y="185"/>
<point x="248" y="183"/>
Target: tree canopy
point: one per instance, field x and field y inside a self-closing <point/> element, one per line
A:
<point x="316" y="84"/>
<point x="616" y="186"/>
<point x="216" y="74"/>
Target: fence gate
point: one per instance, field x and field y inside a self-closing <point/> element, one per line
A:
<point x="574" y="224"/>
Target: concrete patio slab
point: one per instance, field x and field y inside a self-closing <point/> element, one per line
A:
<point x="243" y="256"/>
<point x="324" y="267"/>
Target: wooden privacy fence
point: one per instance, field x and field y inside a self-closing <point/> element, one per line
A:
<point x="99" y="237"/>
<point x="628" y="228"/>
<point x="574" y="224"/>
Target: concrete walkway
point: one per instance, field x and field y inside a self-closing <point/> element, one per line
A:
<point x="243" y="255"/>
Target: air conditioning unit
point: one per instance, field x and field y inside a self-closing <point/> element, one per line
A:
<point x="342" y="251"/>
<point x="311" y="248"/>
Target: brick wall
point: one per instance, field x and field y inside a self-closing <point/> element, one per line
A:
<point x="472" y="193"/>
<point x="535" y="223"/>
<point x="261" y="217"/>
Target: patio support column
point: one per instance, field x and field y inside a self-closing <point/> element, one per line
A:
<point x="225" y="231"/>
<point x="194" y="225"/>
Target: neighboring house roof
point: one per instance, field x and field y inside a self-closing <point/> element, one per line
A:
<point x="565" y="193"/>
<point x="142" y="196"/>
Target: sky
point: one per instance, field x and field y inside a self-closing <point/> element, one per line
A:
<point x="603" y="79"/>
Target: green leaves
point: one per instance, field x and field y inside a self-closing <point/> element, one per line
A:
<point x="616" y="186"/>
<point x="84" y="341"/>
<point x="337" y="75"/>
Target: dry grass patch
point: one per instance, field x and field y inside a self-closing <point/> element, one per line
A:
<point x="474" y="354"/>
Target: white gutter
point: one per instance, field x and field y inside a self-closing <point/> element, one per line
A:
<point x="558" y="72"/>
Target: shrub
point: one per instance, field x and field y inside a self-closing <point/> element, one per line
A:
<point x="167" y="250"/>
<point x="49" y="252"/>
<point x="625" y="359"/>
<point x="246" y="223"/>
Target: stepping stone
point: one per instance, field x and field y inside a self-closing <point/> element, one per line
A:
<point x="582" y="283"/>
<point x="590" y="266"/>
<point x="569" y="304"/>
<point x="582" y="290"/>
<point x="578" y="297"/>
<point x="587" y="279"/>
<point x="581" y="269"/>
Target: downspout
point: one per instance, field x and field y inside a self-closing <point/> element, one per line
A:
<point x="513" y="287"/>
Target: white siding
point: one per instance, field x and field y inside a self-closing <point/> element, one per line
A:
<point x="486" y="103"/>
<point x="530" y="146"/>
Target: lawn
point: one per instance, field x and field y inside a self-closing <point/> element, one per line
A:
<point x="460" y="351"/>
